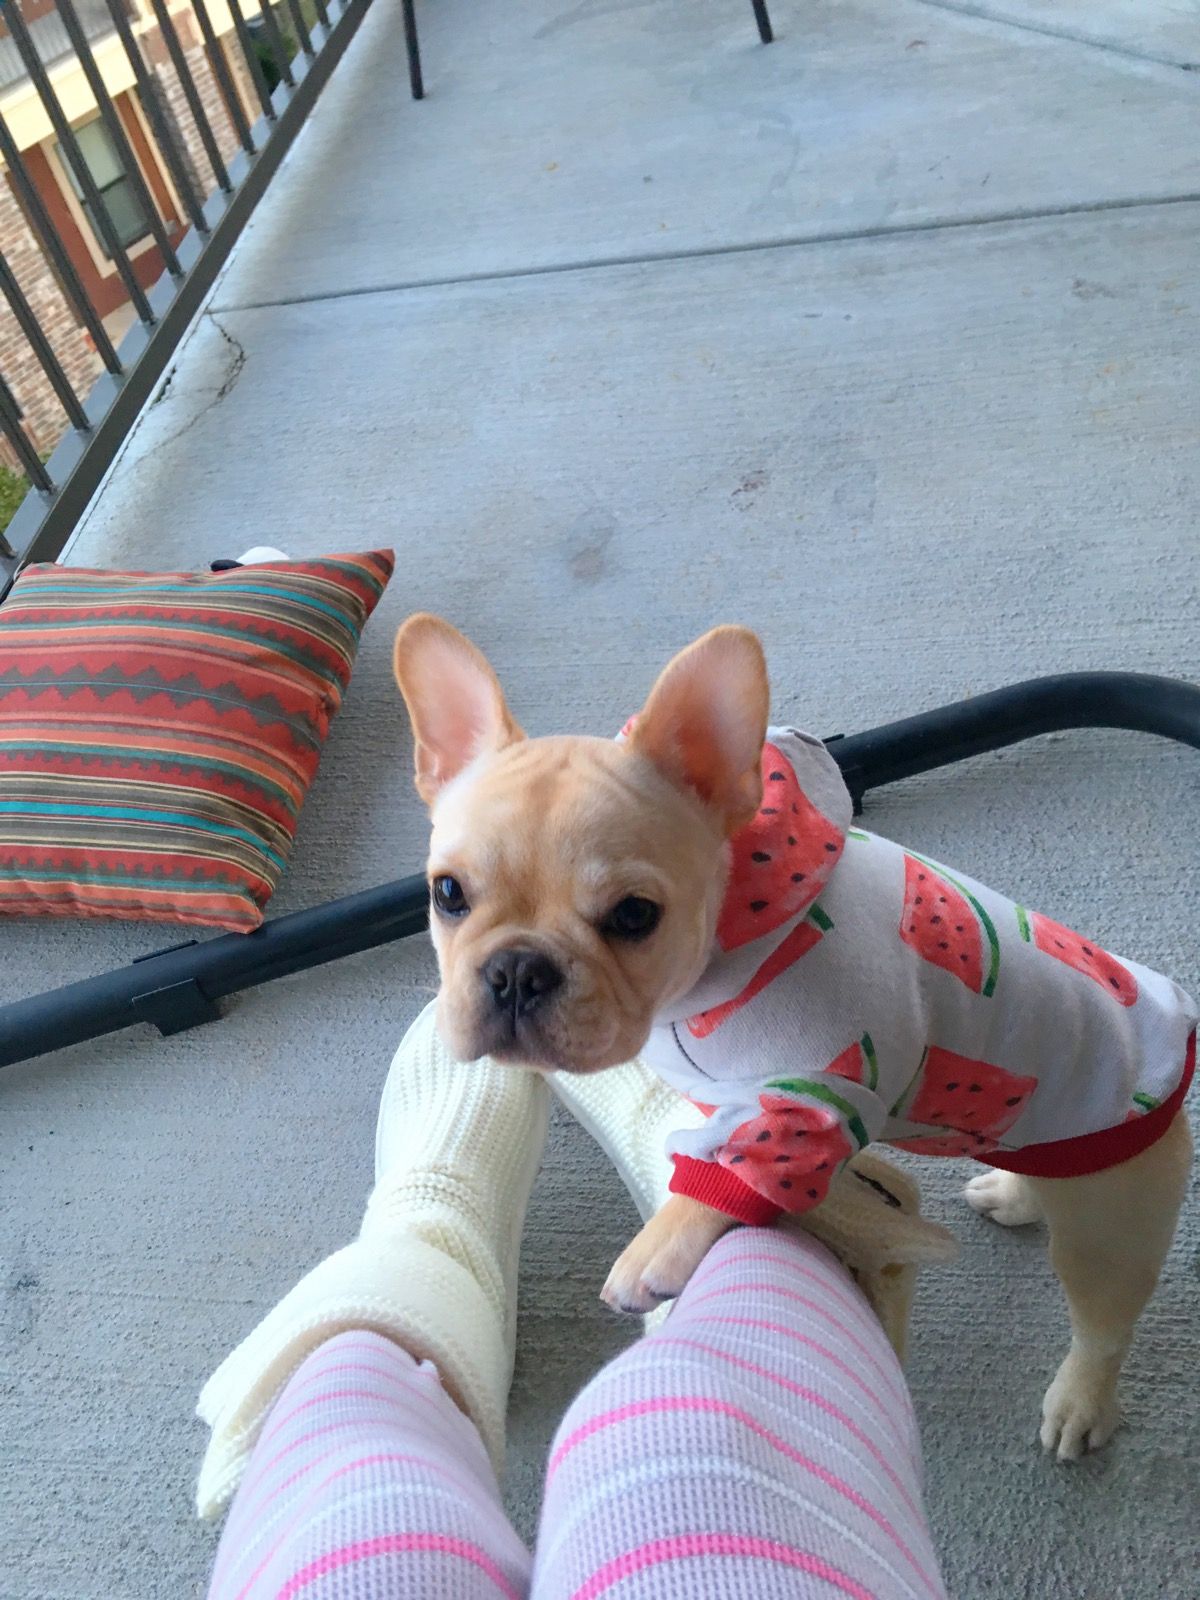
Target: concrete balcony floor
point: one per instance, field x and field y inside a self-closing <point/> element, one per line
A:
<point x="882" y="339"/>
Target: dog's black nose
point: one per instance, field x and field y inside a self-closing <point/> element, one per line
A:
<point x="520" y="980"/>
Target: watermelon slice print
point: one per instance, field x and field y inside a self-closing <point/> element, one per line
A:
<point x="818" y="1089"/>
<point x="789" y="1154"/>
<point x="858" y="1063"/>
<point x="798" y="943"/>
<point x="1144" y="1103"/>
<point x="966" y="1096"/>
<point x="1082" y="954"/>
<point x="948" y="927"/>
<point x="1141" y="1104"/>
<point x="781" y="861"/>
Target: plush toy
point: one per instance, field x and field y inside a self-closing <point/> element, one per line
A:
<point x="871" y="1220"/>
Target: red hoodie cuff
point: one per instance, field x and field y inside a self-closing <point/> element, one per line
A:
<point x="723" y="1190"/>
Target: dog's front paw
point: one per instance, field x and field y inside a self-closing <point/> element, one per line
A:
<point x="664" y="1255"/>
<point x="1080" y="1411"/>
<point x="641" y="1280"/>
<point x="1004" y="1197"/>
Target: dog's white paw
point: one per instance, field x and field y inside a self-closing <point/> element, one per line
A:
<point x="649" y="1272"/>
<point x="1080" y="1411"/>
<point x="1004" y="1197"/>
<point x="662" y="1258"/>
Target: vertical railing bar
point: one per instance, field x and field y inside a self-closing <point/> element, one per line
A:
<point x="190" y="94"/>
<point x="10" y="420"/>
<point x="42" y="348"/>
<point x="765" y="32"/>
<point x="221" y="72"/>
<point x="301" y="26"/>
<point x="275" y="40"/>
<point x="19" y="33"/>
<point x="322" y="11"/>
<point x="412" y="46"/>
<point x="64" y="267"/>
<point x="116" y="132"/>
<point x="253" y="64"/>
<point x="163" y="136"/>
<point x="63" y="487"/>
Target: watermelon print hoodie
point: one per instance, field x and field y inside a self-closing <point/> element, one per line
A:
<point x="859" y="991"/>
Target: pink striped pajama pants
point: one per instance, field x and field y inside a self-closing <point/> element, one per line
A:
<point x="760" y="1445"/>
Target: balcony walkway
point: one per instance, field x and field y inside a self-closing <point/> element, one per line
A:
<point x="882" y="339"/>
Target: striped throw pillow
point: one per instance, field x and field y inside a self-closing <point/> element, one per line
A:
<point x="158" y="732"/>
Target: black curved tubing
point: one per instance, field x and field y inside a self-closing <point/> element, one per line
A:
<point x="1134" y="701"/>
<point x="176" y="989"/>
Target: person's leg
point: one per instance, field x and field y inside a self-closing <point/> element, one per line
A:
<point x="424" y="1302"/>
<point x="368" y="1483"/>
<point x="759" y="1443"/>
<point x="762" y="1442"/>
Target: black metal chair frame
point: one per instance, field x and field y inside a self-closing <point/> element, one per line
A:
<point x="179" y="988"/>
<point x="411" y="43"/>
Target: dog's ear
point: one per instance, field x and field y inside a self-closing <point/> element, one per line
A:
<point x="454" y="700"/>
<point x="705" y="722"/>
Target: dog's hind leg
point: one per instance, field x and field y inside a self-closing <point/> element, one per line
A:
<point x="1109" y="1234"/>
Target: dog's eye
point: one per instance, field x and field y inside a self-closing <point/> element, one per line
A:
<point x="449" y="898"/>
<point x="632" y="918"/>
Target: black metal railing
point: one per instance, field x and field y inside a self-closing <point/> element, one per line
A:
<point x="163" y="175"/>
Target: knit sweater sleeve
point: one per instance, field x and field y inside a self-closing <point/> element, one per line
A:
<point x="778" y="1148"/>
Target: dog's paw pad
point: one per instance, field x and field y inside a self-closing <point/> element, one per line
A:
<point x="1078" y="1414"/>
<point x="1003" y="1197"/>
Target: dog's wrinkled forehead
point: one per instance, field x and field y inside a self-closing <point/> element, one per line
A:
<point x="509" y="786"/>
<point x="548" y="805"/>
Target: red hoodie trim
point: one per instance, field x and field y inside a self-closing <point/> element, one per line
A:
<point x="723" y="1190"/>
<point x="1093" y="1152"/>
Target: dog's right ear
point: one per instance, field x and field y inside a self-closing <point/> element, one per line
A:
<point x="454" y="700"/>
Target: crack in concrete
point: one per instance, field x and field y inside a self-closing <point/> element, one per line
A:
<point x="163" y="388"/>
<point x="233" y="371"/>
<point x="236" y="364"/>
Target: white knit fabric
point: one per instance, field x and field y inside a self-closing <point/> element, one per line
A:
<point x="434" y="1266"/>
<point x="632" y="1114"/>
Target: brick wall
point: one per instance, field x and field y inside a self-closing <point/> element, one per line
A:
<point x="178" y="112"/>
<point x="44" y="420"/>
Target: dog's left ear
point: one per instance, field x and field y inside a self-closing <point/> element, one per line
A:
<point x="706" y="720"/>
<point x="454" y="699"/>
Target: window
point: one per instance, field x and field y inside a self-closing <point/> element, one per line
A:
<point x="124" y="208"/>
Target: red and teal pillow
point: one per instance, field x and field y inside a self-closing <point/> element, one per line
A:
<point x="159" y="732"/>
